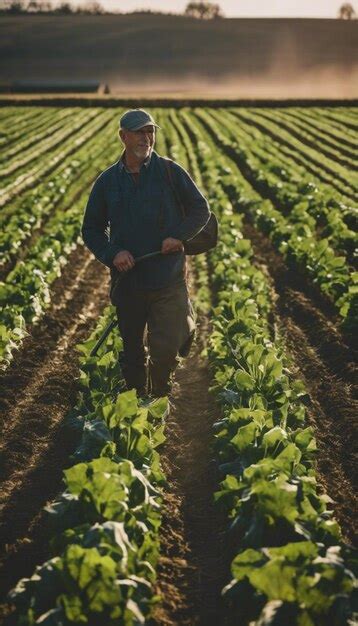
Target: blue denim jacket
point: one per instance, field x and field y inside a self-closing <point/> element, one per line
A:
<point x="122" y="214"/>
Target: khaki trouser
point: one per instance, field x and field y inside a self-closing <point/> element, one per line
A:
<point x="165" y="320"/>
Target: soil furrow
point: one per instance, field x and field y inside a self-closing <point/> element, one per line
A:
<point x="24" y="526"/>
<point x="193" y="565"/>
<point x="48" y="391"/>
<point x="37" y="441"/>
<point x="304" y="302"/>
<point x="332" y="415"/>
<point x="44" y="335"/>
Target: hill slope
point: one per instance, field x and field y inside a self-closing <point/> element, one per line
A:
<point x="161" y="52"/>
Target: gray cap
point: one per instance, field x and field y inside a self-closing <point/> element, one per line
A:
<point x="136" y="119"/>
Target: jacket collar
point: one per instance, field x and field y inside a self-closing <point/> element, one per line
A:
<point x="122" y="165"/>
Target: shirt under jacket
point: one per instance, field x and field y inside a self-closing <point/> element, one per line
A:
<point x="122" y="214"/>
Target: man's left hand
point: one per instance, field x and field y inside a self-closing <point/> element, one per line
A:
<point x="172" y="245"/>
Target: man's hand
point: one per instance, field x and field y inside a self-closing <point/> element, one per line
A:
<point x="123" y="261"/>
<point x="172" y="245"/>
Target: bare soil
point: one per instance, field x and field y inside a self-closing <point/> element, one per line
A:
<point x="195" y="558"/>
<point x="193" y="564"/>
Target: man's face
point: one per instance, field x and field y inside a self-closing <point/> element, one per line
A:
<point x="139" y="142"/>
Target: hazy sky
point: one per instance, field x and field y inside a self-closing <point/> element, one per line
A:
<point x="242" y="8"/>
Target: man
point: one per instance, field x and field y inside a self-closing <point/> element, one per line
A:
<point x="136" y="200"/>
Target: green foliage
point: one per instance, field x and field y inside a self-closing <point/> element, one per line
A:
<point x="106" y="522"/>
<point x="290" y="566"/>
<point x="292" y="570"/>
<point x="25" y="293"/>
<point x="203" y="10"/>
<point x="289" y="207"/>
<point x="312" y="580"/>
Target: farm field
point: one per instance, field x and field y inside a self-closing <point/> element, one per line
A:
<point x="238" y="505"/>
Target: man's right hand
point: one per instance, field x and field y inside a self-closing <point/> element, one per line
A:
<point x="123" y="261"/>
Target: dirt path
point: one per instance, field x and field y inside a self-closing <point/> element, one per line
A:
<point x="192" y="566"/>
<point x="39" y="388"/>
<point x="325" y="360"/>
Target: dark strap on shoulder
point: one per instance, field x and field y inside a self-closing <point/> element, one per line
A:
<point x="168" y="163"/>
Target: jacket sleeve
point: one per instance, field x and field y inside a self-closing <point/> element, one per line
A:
<point x="95" y="226"/>
<point x="195" y="204"/>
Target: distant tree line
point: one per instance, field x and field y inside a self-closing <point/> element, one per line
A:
<point x="63" y="7"/>
<point x="203" y="10"/>
<point x="200" y="10"/>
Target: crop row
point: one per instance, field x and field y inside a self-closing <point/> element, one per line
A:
<point x="289" y="185"/>
<point x="276" y="147"/>
<point x="344" y="136"/>
<point x="25" y="293"/>
<point x="281" y="150"/>
<point x="294" y="240"/>
<point x="315" y="121"/>
<point x="38" y="141"/>
<point x="32" y="176"/>
<point x="29" y="197"/>
<point x="343" y="119"/>
<point x="286" y="545"/>
<point x="37" y="154"/>
<point x="289" y="560"/>
<point x="315" y="160"/>
<point x="61" y="187"/>
<point x="26" y="290"/>
<point x="105" y="524"/>
<point x="19" y="121"/>
<point x="314" y="139"/>
<point x="12" y="126"/>
<point x="43" y="128"/>
<point x="290" y="565"/>
<point x="264" y="147"/>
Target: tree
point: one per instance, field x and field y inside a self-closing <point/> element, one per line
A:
<point x="65" y="8"/>
<point x="16" y="6"/>
<point x="346" y="12"/>
<point x="203" y="10"/>
<point x="93" y="7"/>
<point x="33" y="7"/>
